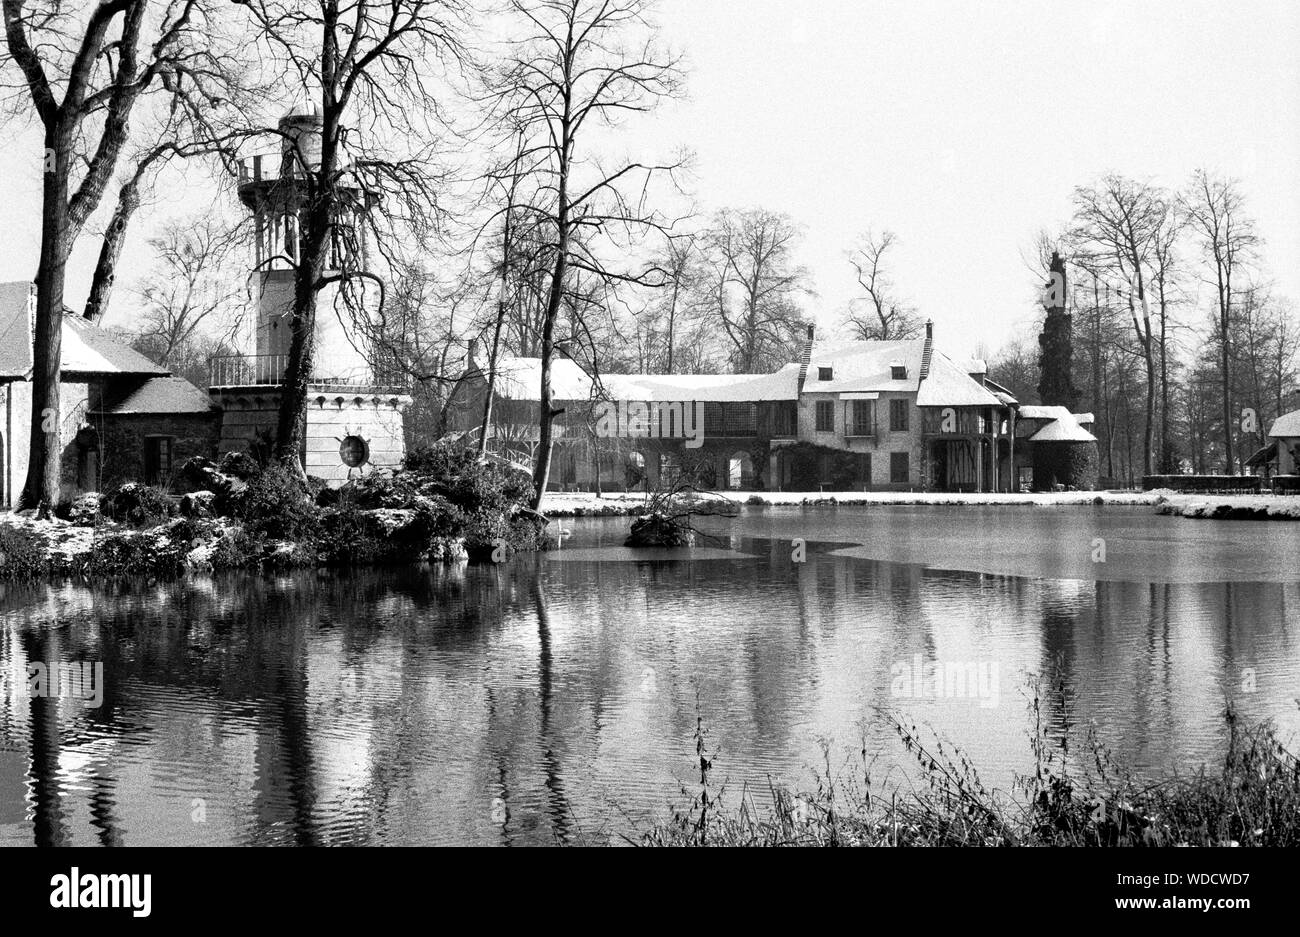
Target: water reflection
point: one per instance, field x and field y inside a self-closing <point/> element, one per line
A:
<point x="554" y="698"/>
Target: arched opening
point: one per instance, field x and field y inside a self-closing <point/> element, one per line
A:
<point x="635" y="470"/>
<point x="740" y="470"/>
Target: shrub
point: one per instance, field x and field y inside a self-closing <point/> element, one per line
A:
<point x="455" y="473"/>
<point x="137" y="505"/>
<point x="379" y="490"/>
<point x="83" y="510"/>
<point x="276" y="504"/>
<point x="137" y="554"/>
<point x="239" y="464"/>
<point x="236" y="548"/>
<point x="22" y="553"/>
<point x="345" y="538"/>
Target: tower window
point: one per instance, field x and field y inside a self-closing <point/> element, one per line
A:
<point x="353" y="451"/>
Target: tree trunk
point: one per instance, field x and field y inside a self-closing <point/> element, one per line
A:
<point x="101" y="285"/>
<point x="302" y="347"/>
<point x="542" y="471"/>
<point x="1224" y="361"/>
<point x="492" y="376"/>
<point x="41" y="489"/>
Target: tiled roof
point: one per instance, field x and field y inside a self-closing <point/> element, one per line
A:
<point x="162" y="395"/>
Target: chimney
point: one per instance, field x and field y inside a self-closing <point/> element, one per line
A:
<point x="928" y="351"/>
<point x="805" y="358"/>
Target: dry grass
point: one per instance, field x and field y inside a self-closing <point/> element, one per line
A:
<point x="1252" y="798"/>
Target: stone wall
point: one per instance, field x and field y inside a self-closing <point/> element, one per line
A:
<point x="880" y="445"/>
<point x="123" y="442"/>
<point x="249" y="416"/>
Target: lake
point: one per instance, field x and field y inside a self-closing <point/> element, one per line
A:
<point x="554" y="698"/>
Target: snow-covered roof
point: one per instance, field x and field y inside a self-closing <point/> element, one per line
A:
<point x="520" y="379"/>
<point x="1062" y="425"/>
<point x="864" y="366"/>
<point x="1034" y="412"/>
<point x="162" y="395"/>
<point x="15" y="329"/>
<point x="1287" y="425"/>
<point x="948" y="385"/>
<point x="781" y="385"/>
<point x="86" y="348"/>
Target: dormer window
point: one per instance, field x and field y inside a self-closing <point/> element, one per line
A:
<point x="825" y="374"/>
<point x="898" y="372"/>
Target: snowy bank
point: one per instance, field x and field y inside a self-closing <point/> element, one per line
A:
<point x="1229" y="507"/>
<point x="578" y="504"/>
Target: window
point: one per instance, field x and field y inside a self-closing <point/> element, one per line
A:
<point x="864" y="418"/>
<point x="864" y="468"/>
<point x="157" y="459"/>
<point x="825" y="416"/>
<point x="782" y="417"/>
<point x="899" y="470"/>
<point x="898" y="372"/>
<point x="825" y="374"/>
<point x="898" y="416"/>
<point x="739" y="419"/>
<point x="353" y="451"/>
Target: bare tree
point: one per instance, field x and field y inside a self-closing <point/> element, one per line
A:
<point x="196" y="119"/>
<point x="578" y="65"/>
<point x="370" y="177"/>
<point x="879" y="315"/>
<point x="84" y="69"/>
<point x="754" y="284"/>
<point x="1215" y="212"/>
<point x="1166" y="283"/>
<point x="1117" y="223"/>
<point x="194" y="286"/>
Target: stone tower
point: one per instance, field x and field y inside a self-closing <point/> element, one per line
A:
<point x="354" y="419"/>
<point x="1055" y="361"/>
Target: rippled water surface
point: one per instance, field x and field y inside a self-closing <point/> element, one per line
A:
<point x="555" y="697"/>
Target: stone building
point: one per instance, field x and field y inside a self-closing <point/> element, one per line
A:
<point x="849" y="415"/>
<point x="121" y="416"/>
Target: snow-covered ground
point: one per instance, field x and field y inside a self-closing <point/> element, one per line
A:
<point x="1230" y="507"/>
<point x="568" y="504"/>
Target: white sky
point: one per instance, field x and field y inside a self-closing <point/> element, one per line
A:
<point x="961" y="126"/>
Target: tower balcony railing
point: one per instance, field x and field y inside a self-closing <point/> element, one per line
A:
<point x="246" y="370"/>
<point x="268" y="371"/>
<point x="267" y="167"/>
